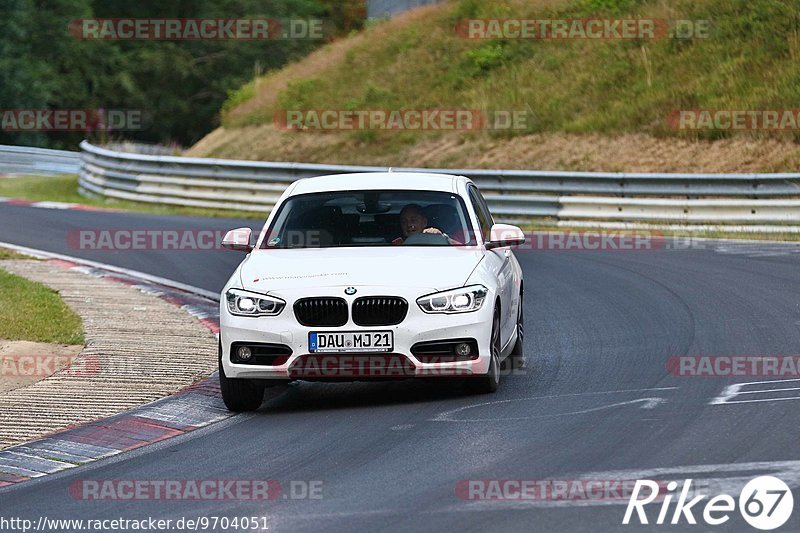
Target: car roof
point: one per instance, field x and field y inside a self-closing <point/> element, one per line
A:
<point x="378" y="180"/>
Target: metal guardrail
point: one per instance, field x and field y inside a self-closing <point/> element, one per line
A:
<point x="37" y="161"/>
<point x="511" y="194"/>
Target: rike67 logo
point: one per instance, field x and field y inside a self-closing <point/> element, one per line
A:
<point x="765" y="503"/>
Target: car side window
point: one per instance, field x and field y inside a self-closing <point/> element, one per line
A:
<point x="481" y="209"/>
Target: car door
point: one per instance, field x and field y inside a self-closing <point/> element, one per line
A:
<point x="500" y="261"/>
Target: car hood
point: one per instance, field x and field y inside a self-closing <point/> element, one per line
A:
<point x="437" y="268"/>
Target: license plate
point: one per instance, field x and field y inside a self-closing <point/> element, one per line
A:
<point x="351" y="341"/>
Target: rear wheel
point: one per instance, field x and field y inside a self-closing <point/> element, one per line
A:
<point x="491" y="380"/>
<point x="239" y="394"/>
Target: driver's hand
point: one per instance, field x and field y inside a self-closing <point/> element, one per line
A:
<point x="432" y="230"/>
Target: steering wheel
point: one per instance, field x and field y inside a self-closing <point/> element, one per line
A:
<point x="426" y="239"/>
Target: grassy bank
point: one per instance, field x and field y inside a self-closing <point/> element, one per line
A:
<point x="32" y="312"/>
<point x="747" y="61"/>
<point x="8" y="254"/>
<point x="604" y="89"/>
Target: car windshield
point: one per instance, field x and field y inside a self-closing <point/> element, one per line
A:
<point x="370" y="218"/>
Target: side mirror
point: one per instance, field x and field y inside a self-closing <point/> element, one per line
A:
<point x="238" y="239"/>
<point x="502" y="235"/>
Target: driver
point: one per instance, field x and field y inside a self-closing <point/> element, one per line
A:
<point x="413" y="220"/>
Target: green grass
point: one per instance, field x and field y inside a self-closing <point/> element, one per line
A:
<point x="65" y="189"/>
<point x="748" y="61"/>
<point x="237" y="96"/>
<point x="5" y="253"/>
<point x="32" y="312"/>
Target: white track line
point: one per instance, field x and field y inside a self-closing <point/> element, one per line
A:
<point x="768" y="390"/>
<point x="648" y="403"/>
<point x="760" y="400"/>
<point x="732" y="391"/>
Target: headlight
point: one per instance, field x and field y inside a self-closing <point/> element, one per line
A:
<point x="461" y="300"/>
<point x="243" y="303"/>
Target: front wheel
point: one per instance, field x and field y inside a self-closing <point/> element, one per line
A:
<point x="239" y="394"/>
<point x="516" y="360"/>
<point x="491" y="380"/>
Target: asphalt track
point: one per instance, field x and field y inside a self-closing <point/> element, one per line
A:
<point x="595" y="400"/>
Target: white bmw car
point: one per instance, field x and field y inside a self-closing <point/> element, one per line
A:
<point x="371" y="276"/>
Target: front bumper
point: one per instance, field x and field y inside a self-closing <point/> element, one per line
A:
<point x="417" y="327"/>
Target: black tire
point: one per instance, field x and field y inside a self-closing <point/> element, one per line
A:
<point x="490" y="381"/>
<point x="239" y="394"/>
<point x="516" y="359"/>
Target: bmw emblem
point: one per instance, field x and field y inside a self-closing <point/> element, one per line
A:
<point x="350" y="291"/>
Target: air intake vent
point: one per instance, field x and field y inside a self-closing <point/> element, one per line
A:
<point x="326" y="312"/>
<point x="379" y="310"/>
